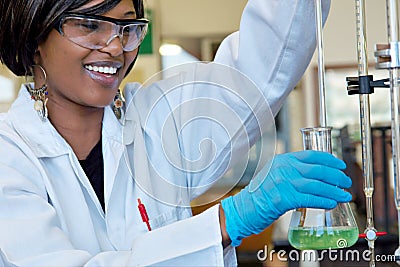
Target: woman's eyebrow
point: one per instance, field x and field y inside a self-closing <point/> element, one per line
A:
<point x="130" y="14"/>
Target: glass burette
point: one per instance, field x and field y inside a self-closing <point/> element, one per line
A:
<point x="321" y="81"/>
<point x="365" y="124"/>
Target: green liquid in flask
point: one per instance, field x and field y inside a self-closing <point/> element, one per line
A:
<point x="322" y="237"/>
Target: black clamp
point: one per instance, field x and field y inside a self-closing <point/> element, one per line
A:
<point x="364" y="84"/>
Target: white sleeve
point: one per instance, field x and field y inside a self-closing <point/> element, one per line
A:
<point x="274" y="45"/>
<point x="203" y="234"/>
<point x="169" y="246"/>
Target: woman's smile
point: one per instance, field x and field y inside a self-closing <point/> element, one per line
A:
<point x="104" y="73"/>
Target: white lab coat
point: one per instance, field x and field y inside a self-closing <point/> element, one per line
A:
<point x="49" y="213"/>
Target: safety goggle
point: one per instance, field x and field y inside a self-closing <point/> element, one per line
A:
<point x="96" y="32"/>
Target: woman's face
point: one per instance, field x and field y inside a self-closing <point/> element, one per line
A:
<point x="71" y="79"/>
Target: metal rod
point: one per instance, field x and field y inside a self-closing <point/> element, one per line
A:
<point x="394" y="104"/>
<point x="321" y="64"/>
<point x="365" y="123"/>
<point x="385" y="177"/>
<point x="393" y="38"/>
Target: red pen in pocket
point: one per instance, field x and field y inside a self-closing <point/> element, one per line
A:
<point x="143" y="214"/>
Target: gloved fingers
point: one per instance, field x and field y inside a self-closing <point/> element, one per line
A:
<point x="317" y="202"/>
<point x="323" y="173"/>
<point x="320" y="158"/>
<point x="321" y="189"/>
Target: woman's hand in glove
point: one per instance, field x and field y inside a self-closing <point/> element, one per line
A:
<point x="304" y="179"/>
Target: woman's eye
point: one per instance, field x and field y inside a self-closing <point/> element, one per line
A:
<point x="127" y="30"/>
<point x="90" y="26"/>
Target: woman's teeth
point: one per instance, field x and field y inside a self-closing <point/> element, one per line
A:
<point x="106" y="70"/>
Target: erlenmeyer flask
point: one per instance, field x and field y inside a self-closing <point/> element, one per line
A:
<point x="318" y="228"/>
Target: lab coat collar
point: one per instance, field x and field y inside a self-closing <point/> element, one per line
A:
<point x="42" y="137"/>
<point x="131" y="116"/>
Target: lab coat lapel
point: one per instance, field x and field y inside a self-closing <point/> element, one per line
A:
<point x="123" y="220"/>
<point x="44" y="140"/>
<point x="152" y="173"/>
<point x="112" y="150"/>
<point x="137" y="161"/>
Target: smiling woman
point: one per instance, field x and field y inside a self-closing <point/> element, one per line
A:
<point x="74" y="160"/>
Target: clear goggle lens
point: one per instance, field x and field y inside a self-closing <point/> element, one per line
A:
<point x="96" y="34"/>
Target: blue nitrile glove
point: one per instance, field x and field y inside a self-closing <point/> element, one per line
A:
<point x="304" y="179"/>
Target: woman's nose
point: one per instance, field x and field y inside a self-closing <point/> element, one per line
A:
<point x="114" y="46"/>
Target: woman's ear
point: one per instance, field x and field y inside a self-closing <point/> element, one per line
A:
<point x="36" y="56"/>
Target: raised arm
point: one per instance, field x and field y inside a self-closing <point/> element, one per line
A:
<point x="273" y="48"/>
<point x="274" y="45"/>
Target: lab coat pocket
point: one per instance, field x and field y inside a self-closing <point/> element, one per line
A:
<point x="171" y="215"/>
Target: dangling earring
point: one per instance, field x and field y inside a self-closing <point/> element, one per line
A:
<point x="39" y="95"/>
<point x="118" y="104"/>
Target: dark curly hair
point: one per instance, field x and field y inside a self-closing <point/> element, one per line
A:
<point x="24" y="24"/>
